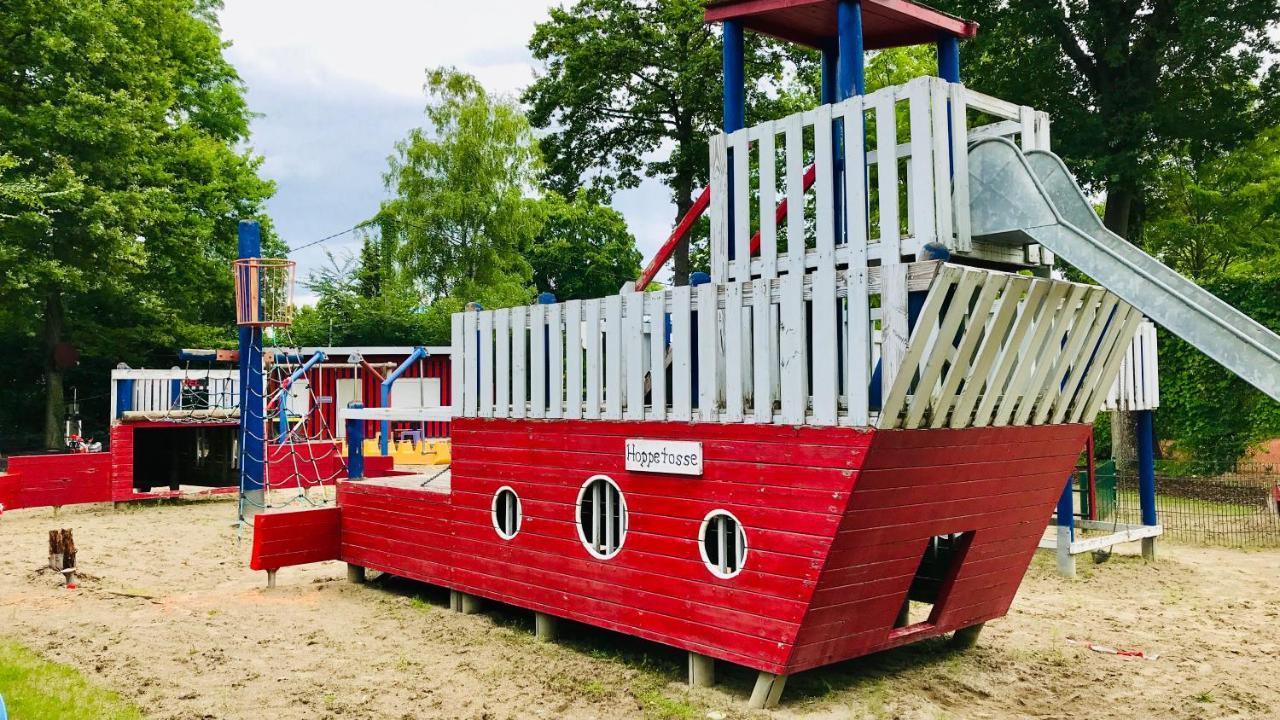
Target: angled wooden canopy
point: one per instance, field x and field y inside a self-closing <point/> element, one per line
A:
<point x="885" y="23"/>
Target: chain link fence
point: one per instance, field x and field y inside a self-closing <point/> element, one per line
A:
<point x="1235" y="509"/>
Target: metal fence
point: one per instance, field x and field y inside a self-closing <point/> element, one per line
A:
<point x="1236" y="509"/>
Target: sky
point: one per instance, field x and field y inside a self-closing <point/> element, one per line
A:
<point x="338" y="83"/>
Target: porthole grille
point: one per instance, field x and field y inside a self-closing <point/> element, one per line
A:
<point x="506" y="513"/>
<point x="602" y="517"/>
<point x="724" y="544"/>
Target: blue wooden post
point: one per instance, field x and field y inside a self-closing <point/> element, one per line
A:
<point x="1147" y="466"/>
<point x="696" y="279"/>
<point x="253" y="426"/>
<point x="735" y="102"/>
<point x="545" y="298"/>
<point x="830" y="62"/>
<point x="124" y="397"/>
<point x="949" y="57"/>
<point x="355" y="444"/>
<point x="851" y="76"/>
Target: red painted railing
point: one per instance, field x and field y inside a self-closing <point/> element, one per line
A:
<point x="700" y="206"/>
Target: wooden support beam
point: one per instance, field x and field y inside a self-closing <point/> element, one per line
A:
<point x="702" y="670"/>
<point x="965" y="638"/>
<point x="1148" y="548"/>
<point x="355" y="574"/>
<point x="271" y="578"/>
<point x="544" y="627"/>
<point x="767" y="692"/>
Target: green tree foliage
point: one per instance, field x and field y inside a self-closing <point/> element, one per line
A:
<point x="121" y="128"/>
<point x="584" y="249"/>
<point x="1129" y="82"/>
<point x="632" y="89"/>
<point x="1219" y="216"/>
<point x="464" y="205"/>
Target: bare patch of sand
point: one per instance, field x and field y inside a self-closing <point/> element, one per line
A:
<point x="174" y="620"/>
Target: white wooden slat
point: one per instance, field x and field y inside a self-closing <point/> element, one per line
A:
<point x="734" y="346"/>
<point x="613" y="387"/>
<point x="1088" y="410"/>
<point x="710" y="358"/>
<point x="1069" y="356"/>
<point x="824" y="190"/>
<point x="1027" y="117"/>
<point x="857" y="345"/>
<point x="654" y="303"/>
<point x="1022" y="379"/>
<point x="740" y="267"/>
<point x="977" y="327"/>
<point x="896" y="397"/>
<point x="538" y="361"/>
<point x="1008" y="352"/>
<point x="593" y="362"/>
<point x="519" y="365"/>
<point x="555" y="361"/>
<point x="458" y="362"/>
<point x="681" y="354"/>
<point x="960" y="168"/>
<point x="893" y="322"/>
<point x="1153" y="364"/>
<point x="855" y="180"/>
<point x="719" y="208"/>
<point x="768" y="201"/>
<point x="887" y="179"/>
<point x="502" y="362"/>
<point x="573" y="359"/>
<point x="486" y="363"/>
<point x="791" y="350"/>
<point x="942" y="348"/>
<point x="1052" y="349"/>
<point x="940" y="136"/>
<point x="471" y="391"/>
<point x="634" y="363"/>
<point x="760" y="382"/>
<point x="795" y="193"/>
<point x="1090" y="352"/>
<point x="920" y="203"/>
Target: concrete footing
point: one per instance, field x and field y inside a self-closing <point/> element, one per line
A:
<point x="271" y="578"/>
<point x="767" y="692"/>
<point x="355" y="574"/>
<point x="1148" y="548"/>
<point x="464" y="603"/>
<point x="965" y="638"/>
<point x="544" y="627"/>
<point x="1066" y="561"/>
<point x="702" y="670"/>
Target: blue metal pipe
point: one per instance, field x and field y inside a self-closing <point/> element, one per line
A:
<point x="851" y="74"/>
<point x="418" y="354"/>
<point x="1147" y="466"/>
<point x="284" y="392"/>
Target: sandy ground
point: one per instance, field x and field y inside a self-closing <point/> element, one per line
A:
<point x="174" y="620"/>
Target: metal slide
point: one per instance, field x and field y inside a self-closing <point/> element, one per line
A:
<point x="1017" y="199"/>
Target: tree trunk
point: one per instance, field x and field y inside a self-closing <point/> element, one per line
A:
<point x="683" y="187"/>
<point x="1124" y="439"/>
<point x="54" y="406"/>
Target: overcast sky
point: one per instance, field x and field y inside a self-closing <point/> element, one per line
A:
<point x="337" y="83"/>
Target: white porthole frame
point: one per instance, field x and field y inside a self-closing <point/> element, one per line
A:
<point x="577" y="518"/>
<point x="493" y="512"/>
<point x="702" y="545"/>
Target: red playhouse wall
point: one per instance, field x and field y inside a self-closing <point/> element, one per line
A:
<point x="837" y="520"/>
<point x="323" y="382"/>
<point x="56" y="480"/>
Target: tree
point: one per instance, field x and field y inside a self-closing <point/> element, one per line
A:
<point x="584" y="249"/>
<point x="632" y="88"/>
<point x="1129" y="82"/>
<point x="121" y="123"/>
<point x="464" y="205"/>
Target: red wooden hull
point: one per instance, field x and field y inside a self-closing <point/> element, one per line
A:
<point x="836" y="522"/>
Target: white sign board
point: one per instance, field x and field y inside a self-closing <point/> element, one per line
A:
<point x="676" y="457"/>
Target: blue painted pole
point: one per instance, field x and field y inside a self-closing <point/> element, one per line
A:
<point x="546" y="298"/>
<point x="696" y="279"/>
<point x="124" y="397"/>
<point x="384" y="436"/>
<point x="253" y="426"/>
<point x="830" y="63"/>
<point x="735" y="101"/>
<point x="355" y="444"/>
<point x="1147" y="466"/>
<point x="851" y="74"/>
<point x="284" y="392"/>
<point x="1067" y="509"/>
<point x="949" y="57"/>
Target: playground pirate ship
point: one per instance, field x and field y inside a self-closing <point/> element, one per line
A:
<point x="849" y="439"/>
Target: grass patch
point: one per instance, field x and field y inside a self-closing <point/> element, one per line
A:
<point x="36" y="689"/>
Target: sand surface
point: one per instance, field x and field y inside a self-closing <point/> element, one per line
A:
<point x="174" y="620"/>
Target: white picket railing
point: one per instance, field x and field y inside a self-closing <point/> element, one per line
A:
<point x="1137" y="384"/>
<point x="157" y="390"/>
<point x="989" y="348"/>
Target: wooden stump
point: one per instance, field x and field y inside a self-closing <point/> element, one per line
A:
<point x="62" y="549"/>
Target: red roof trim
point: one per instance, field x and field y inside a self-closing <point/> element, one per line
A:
<point x="766" y="16"/>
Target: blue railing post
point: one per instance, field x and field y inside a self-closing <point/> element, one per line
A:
<point x="355" y="444"/>
<point x="417" y="354"/>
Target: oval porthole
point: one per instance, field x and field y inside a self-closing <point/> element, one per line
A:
<point x="506" y="513"/>
<point x="602" y="517"/>
<point x="722" y="543"/>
